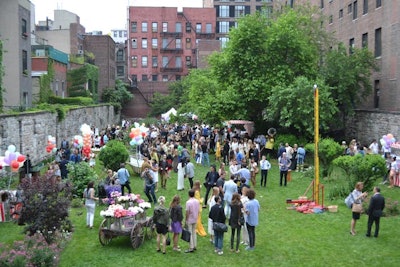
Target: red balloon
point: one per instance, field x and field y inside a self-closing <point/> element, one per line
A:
<point x="21" y="158"/>
<point x="143" y="134"/>
<point x="48" y="149"/>
<point x="131" y="135"/>
<point x="14" y="164"/>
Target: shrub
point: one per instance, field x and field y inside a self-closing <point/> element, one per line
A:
<point x="45" y="206"/>
<point x="391" y="207"/>
<point x="366" y="169"/>
<point x="328" y="150"/>
<point x="80" y="174"/>
<point x="113" y="154"/>
<point x="81" y="101"/>
<point x="76" y="203"/>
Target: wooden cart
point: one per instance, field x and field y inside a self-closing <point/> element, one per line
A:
<point x="137" y="228"/>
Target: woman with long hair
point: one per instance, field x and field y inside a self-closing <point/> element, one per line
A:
<point x="161" y="220"/>
<point x="176" y="216"/>
<point x="211" y="202"/>
<point x="199" y="226"/>
<point x="235" y="220"/>
<point x="90" y="203"/>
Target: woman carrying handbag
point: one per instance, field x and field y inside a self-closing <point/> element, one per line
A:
<point x="358" y="197"/>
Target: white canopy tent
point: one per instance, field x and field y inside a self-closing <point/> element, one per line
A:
<point x="166" y="116"/>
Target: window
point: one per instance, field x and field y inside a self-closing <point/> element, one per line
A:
<point x="378" y="42"/>
<point x="178" y="62"/>
<point x="154" y="77"/>
<point x="198" y="27"/>
<point x="134" y="61"/>
<point x="178" y="27"/>
<point x="120" y="33"/>
<point x="124" y="33"/>
<point x="322" y="3"/>
<point x="144" y="77"/>
<point x="177" y="77"/>
<point x="164" y="43"/>
<point x="330" y="19"/>
<point x="377" y="93"/>
<point x="188" y="43"/>
<point x="25" y="62"/>
<point x="378" y="3"/>
<point x="188" y="27"/>
<point x="154" y="27"/>
<point x="144" y="61"/>
<point x="164" y="62"/>
<point x="134" y="43"/>
<point x="349" y="8"/>
<point x="178" y="43"/>
<point x="364" y="40"/>
<point x="365" y="7"/>
<point x="120" y="55"/>
<point x="165" y="26"/>
<point x="154" y="62"/>
<point x="115" y="34"/>
<point x="133" y="26"/>
<point x="351" y="46"/>
<point x="355" y="10"/>
<point x="208" y="28"/>
<point x="120" y="71"/>
<point x="224" y="41"/>
<point x="144" y="26"/>
<point x="239" y="11"/>
<point x="154" y="43"/>
<point x="224" y="11"/>
<point x="165" y="78"/>
<point x="144" y="42"/>
<point x="223" y="26"/>
<point x="24" y="29"/>
<point x="340" y="13"/>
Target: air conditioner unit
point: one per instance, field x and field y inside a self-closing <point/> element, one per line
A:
<point x="80" y="52"/>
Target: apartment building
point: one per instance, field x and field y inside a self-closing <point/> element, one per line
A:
<point x="229" y="11"/>
<point x="162" y="41"/>
<point x="374" y="24"/>
<point x="15" y="32"/>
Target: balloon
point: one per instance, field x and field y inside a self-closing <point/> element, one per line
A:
<point x="132" y="142"/>
<point x="14" y="164"/>
<point x="140" y="142"/>
<point x="389" y="136"/>
<point x="131" y="135"/>
<point x="12" y="148"/>
<point x="48" y="149"/>
<point x="21" y="158"/>
<point x="382" y="142"/>
<point x="2" y="163"/>
<point x="54" y="150"/>
<point x="12" y="156"/>
<point x="136" y="131"/>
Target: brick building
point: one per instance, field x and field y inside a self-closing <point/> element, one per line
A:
<point x="162" y="41"/>
<point x="103" y="47"/>
<point x="374" y="24"/>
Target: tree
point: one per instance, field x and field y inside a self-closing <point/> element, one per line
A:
<point x="292" y="106"/>
<point x="117" y="96"/>
<point x="175" y="98"/>
<point x="113" y="154"/>
<point x="348" y="77"/>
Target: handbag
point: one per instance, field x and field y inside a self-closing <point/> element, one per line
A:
<point x="220" y="227"/>
<point x="241" y="220"/>
<point x="185" y="235"/>
<point x="357" y="208"/>
<point x="168" y="240"/>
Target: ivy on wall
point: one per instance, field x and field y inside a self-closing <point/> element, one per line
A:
<point x="45" y="81"/>
<point x="1" y="76"/>
<point x="82" y="78"/>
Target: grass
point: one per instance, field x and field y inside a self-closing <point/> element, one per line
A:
<point x="283" y="237"/>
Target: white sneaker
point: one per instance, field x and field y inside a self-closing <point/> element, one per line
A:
<point x="220" y="252"/>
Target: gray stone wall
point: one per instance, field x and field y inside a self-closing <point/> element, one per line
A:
<point x="368" y="125"/>
<point x="29" y="131"/>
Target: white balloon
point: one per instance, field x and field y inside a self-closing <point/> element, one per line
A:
<point x="12" y="148"/>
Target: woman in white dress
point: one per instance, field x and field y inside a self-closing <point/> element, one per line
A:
<point x="181" y="176"/>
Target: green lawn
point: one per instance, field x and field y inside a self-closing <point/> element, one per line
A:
<point x="283" y="237"/>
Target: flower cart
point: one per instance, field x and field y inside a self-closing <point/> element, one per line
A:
<point x="126" y="216"/>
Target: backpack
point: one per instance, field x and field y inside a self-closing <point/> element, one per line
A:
<point x="349" y="200"/>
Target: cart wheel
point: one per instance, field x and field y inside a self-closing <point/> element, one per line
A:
<point x="104" y="237"/>
<point x="137" y="235"/>
<point x="150" y="231"/>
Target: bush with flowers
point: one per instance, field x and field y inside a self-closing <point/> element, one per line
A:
<point x="117" y="210"/>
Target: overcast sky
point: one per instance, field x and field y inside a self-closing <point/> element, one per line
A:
<point x="102" y="15"/>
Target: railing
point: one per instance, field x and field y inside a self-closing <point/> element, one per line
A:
<point x="170" y="34"/>
<point x="171" y="50"/>
<point x="171" y="69"/>
<point x="200" y="35"/>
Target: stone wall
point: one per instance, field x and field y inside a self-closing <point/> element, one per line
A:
<point x="368" y="125"/>
<point x="29" y="131"/>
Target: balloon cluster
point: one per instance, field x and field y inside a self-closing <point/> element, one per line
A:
<point x="78" y="141"/>
<point x="12" y="158"/>
<point x="51" y="144"/>
<point x="137" y="134"/>
<point x="87" y="139"/>
<point x="387" y="140"/>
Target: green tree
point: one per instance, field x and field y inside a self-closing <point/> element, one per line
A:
<point x="117" y="96"/>
<point x="348" y="77"/>
<point x="162" y="103"/>
<point x="1" y="76"/>
<point x="113" y="154"/>
<point x="45" y="81"/>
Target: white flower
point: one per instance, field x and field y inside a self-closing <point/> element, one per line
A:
<point x="145" y="205"/>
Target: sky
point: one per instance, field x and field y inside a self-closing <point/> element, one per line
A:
<point x="101" y="15"/>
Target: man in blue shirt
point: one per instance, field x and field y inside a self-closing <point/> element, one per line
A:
<point x="252" y="209"/>
<point x="123" y="177"/>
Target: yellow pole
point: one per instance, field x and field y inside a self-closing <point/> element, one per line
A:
<point x="316" y="144"/>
